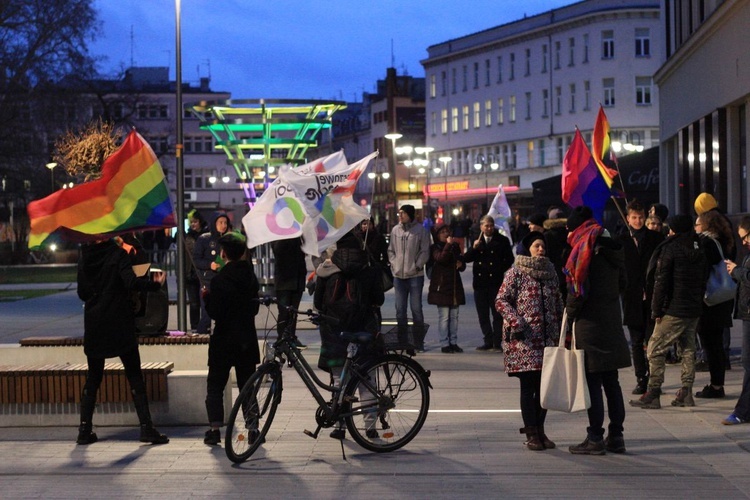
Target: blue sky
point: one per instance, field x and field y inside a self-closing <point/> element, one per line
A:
<point x="320" y="49"/>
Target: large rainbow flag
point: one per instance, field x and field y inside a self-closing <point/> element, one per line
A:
<point x="131" y="195"/>
<point x="582" y="182"/>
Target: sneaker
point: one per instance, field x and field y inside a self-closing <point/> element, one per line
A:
<point x="338" y="434"/>
<point x="614" y="444"/>
<point x="588" y="448"/>
<point x="733" y="419"/>
<point x="447" y="349"/>
<point x="213" y="436"/>
<point x="710" y="392"/>
<point x="372" y="433"/>
<point x="456" y="348"/>
<point x="151" y="435"/>
<point x="485" y="348"/>
<point x="650" y="400"/>
<point x="684" y="397"/>
<point x="296" y="341"/>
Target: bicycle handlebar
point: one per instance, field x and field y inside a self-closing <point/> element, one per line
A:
<point x="314" y="316"/>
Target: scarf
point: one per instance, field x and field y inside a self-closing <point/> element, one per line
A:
<point x="539" y="268"/>
<point x="582" y="241"/>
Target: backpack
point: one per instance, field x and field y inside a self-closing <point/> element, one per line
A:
<point x="343" y="300"/>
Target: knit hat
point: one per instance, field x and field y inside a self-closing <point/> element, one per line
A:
<point x="680" y="223"/>
<point x="660" y="211"/>
<point x="578" y="216"/>
<point x="410" y="211"/>
<point x="537" y="219"/>
<point x="530" y="238"/>
<point x="705" y="202"/>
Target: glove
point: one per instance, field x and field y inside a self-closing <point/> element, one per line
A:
<point x="519" y="335"/>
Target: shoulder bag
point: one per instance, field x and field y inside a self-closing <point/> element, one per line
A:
<point x="720" y="286"/>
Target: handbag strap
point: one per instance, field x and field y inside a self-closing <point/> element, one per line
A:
<point x="563" y="332"/>
<point x="721" y="252"/>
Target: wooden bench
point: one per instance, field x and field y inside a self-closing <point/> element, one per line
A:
<point x="63" y="383"/>
<point x="142" y="340"/>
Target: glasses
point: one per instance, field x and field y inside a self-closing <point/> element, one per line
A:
<point x="744" y="238"/>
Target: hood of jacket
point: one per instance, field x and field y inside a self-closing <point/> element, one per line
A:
<point x="350" y="260"/>
<point x="212" y="223"/>
<point x="611" y="250"/>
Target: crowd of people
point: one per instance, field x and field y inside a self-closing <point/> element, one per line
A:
<point x="565" y="274"/>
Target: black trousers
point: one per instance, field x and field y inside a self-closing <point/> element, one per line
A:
<point x="712" y="340"/>
<point x="531" y="408"/>
<point x="131" y="361"/>
<point x="490" y="321"/>
<point x="287" y="298"/>
<point x="222" y="357"/>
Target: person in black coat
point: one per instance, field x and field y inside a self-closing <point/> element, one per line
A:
<point x="208" y="262"/>
<point x="492" y="255"/>
<point x="231" y="302"/>
<point x="638" y="243"/>
<point x="106" y="282"/>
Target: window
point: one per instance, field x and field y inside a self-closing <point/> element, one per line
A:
<point x="542" y="159"/>
<point x="512" y="66"/>
<point x="528" y="105"/>
<point x="454" y="119"/>
<point x="506" y="156"/>
<point x="558" y="100"/>
<point x="160" y="144"/>
<point x="545" y="103"/>
<point x="643" y="90"/>
<point x="512" y="116"/>
<point x="500" y="111"/>
<point x="608" y="44"/>
<point x="433" y="123"/>
<point x="530" y="153"/>
<point x="444" y="121"/>
<point x="477" y="115"/>
<point x="152" y="111"/>
<point x="454" y="83"/>
<point x="608" y="85"/>
<point x="586" y="48"/>
<point x="586" y="95"/>
<point x="433" y="85"/>
<point x="465" y="115"/>
<point x="487" y="72"/>
<point x="488" y="113"/>
<point x="571" y="51"/>
<point x="642" y="42"/>
<point x="560" y="150"/>
<point x="572" y="97"/>
<point x="476" y="75"/>
<point x="513" y="155"/>
<point x="545" y="55"/>
<point x="444" y="83"/>
<point x="499" y="69"/>
<point x="465" y="78"/>
<point x="557" y="55"/>
<point x="528" y="62"/>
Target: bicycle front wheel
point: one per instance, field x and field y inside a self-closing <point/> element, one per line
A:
<point x="253" y="412"/>
<point x="388" y="401"/>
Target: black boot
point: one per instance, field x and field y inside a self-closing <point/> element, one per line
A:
<point x="532" y="438"/>
<point x="85" y="434"/>
<point x="547" y="442"/>
<point x="148" y="433"/>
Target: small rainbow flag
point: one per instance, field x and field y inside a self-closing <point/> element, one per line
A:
<point x="131" y="195"/>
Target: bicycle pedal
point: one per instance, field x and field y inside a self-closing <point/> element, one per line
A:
<point x="313" y="435"/>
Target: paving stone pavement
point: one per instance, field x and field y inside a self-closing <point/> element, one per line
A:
<point x="470" y="446"/>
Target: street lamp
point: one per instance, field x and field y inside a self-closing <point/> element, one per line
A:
<point x="51" y="166"/>
<point x="481" y="164"/>
<point x="445" y="160"/>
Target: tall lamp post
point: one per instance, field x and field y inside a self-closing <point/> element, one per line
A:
<point x="180" y="178"/>
<point x="445" y="160"/>
<point x="51" y="166"/>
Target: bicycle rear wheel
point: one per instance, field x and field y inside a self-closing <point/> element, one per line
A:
<point x="392" y="416"/>
<point x="253" y="412"/>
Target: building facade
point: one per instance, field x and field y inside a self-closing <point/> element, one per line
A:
<point x="704" y="92"/>
<point x="502" y="104"/>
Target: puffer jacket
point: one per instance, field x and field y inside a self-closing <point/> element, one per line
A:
<point x="741" y="274"/>
<point x="408" y="250"/>
<point x="679" y="271"/>
<point x="446" y="287"/>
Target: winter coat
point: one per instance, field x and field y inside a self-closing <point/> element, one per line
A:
<point x="230" y="303"/>
<point x="206" y="249"/>
<point x="491" y="260"/>
<point x="678" y="270"/>
<point x="556" y="239"/>
<point x="408" y="250"/>
<point x="349" y="262"/>
<point x="636" y="263"/>
<point x="191" y="274"/>
<point x="529" y="301"/>
<point x="741" y="274"/>
<point x="290" y="268"/>
<point x="719" y="315"/>
<point x="446" y="288"/>
<point x="596" y="314"/>
<point x="106" y="282"/>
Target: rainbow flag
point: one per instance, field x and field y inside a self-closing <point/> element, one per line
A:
<point x="582" y="183"/>
<point x="131" y="195"/>
<point x="600" y="147"/>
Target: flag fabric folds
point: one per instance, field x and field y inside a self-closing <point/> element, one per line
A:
<point x="582" y="181"/>
<point x="131" y="195"/>
<point x="600" y="148"/>
<point x="500" y="211"/>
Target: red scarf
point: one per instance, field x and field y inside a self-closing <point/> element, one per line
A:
<point x="582" y="241"/>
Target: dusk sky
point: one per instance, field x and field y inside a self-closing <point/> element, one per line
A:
<point x="322" y="49"/>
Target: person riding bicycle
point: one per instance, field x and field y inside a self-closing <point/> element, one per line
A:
<point x="346" y="276"/>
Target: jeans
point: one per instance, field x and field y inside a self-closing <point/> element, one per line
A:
<point x="490" y="321"/>
<point x="410" y="290"/>
<point x="670" y="330"/>
<point x="615" y="405"/>
<point x="742" y="409"/>
<point x="448" y="325"/>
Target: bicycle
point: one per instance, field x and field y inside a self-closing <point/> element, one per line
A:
<point x="383" y="399"/>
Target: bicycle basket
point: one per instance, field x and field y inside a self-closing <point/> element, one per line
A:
<point x="401" y="338"/>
